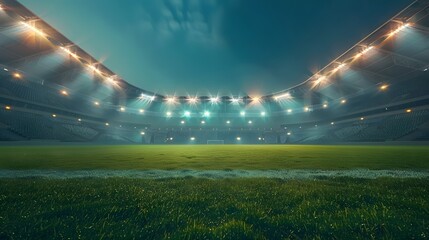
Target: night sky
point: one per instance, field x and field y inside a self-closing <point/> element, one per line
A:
<point x="215" y="46"/>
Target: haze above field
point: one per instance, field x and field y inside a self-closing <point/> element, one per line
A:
<point x="181" y="46"/>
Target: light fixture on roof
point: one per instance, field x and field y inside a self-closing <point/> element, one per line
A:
<point x="168" y="114"/>
<point x="249" y="122"/>
<point x="5" y="69"/>
<point x="97" y="103"/>
<point x="289" y="111"/>
<point x="8" y="107"/>
<point x="141" y="110"/>
<point x="400" y="28"/>
<point x="203" y="122"/>
<point x="107" y="124"/>
<point x="214" y="100"/>
<point x="242" y="113"/>
<point x="122" y="109"/>
<point x="33" y="28"/>
<point x="79" y="120"/>
<point x="384" y="87"/>
<point x="263" y="114"/>
<point x="142" y="133"/>
<point x="171" y="100"/>
<point x="238" y="138"/>
<point x="187" y="114"/>
<point x="285" y="96"/>
<point x="147" y="97"/>
<point x="66" y="50"/>
<point x="256" y="99"/>
<point x="362" y="118"/>
<point x="306" y="109"/>
<point x="364" y="51"/>
<point x="343" y="101"/>
<point x="64" y="92"/>
<point x="235" y="100"/>
<point x="325" y="105"/>
<point x="94" y="69"/>
<point x="408" y="110"/>
<point x="206" y="114"/>
<point x="182" y="122"/>
<point x="192" y="100"/>
<point x="339" y="67"/>
<point x="17" y="75"/>
<point x="54" y="115"/>
<point x="228" y="122"/>
<point x="192" y="138"/>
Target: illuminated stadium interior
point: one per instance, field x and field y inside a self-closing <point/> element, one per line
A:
<point x="87" y="154"/>
<point x="52" y="81"/>
<point x="56" y="85"/>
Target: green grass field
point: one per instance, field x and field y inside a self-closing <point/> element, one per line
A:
<point x="195" y="208"/>
<point x="215" y="157"/>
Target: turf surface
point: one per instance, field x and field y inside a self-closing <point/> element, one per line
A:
<point x="214" y="157"/>
<point x="214" y="209"/>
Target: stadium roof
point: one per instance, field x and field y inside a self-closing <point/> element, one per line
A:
<point x="396" y="51"/>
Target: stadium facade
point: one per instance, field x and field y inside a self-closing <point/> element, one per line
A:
<point x="52" y="90"/>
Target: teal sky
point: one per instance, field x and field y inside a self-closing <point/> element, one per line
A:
<point x="215" y="46"/>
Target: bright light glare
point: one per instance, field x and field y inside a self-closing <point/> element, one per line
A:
<point x="192" y="138"/>
<point x="17" y="75"/>
<point x="142" y="133"/>
<point x="193" y="100"/>
<point x="242" y="113"/>
<point x="206" y="114"/>
<point x="147" y="97"/>
<point x="8" y="107"/>
<point x="122" y="109"/>
<point x="187" y="114"/>
<point x="325" y="105"/>
<point x="343" y="101"/>
<point x="169" y="114"/>
<point x="228" y="122"/>
<point x="402" y="27"/>
<point x="107" y="124"/>
<point x="64" y="92"/>
<point x="141" y="110"/>
<point x="34" y="29"/>
<point x="306" y="109"/>
<point x="263" y="114"/>
<point x="171" y="100"/>
<point x="249" y="122"/>
<point x="66" y="50"/>
<point x="238" y="138"/>
<point x="283" y="96"/>
<point x="408" y="110"/>
<point x="235" y="100"/>
<point x="96" y="103"/>
<point x="289" y="110"/>
<point x="203" y="122"/>
<point x="214" y="100"/>
<point x="384" y="87"/>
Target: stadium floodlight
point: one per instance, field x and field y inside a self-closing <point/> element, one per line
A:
<point x="168" y="114"/>
<point x="400" y="28"/>
<point x="325" y="105"/>
<point x="206" y="114"/>
<point x="70" y="53"/>
<point x="96" y="103"/>
<point x="79" y="120"/>
<point x="332" y="123"/>
<point x="289" y="111"/>
<point x="107" y="124"/>
<point x="228" y="122"/>
<point x="284" y="96"/>
<point x="5" y="69"/>
<point x="319" y="80"/>
<point x="171" y="100"/>
<point x="242" y="113"/>
<point x="94" y="69"/>
<point x="54" y="115"/>
<point x="256" y="99"/>
<point x="64" y="92"/>
<point x="364" y="51"/>
<point x="362" y="118"/>
<point x="289" y="133"/>
<point x="384" y="87"/>
<point x="235" y="100"/>
<point x="147" y="97"/>
<point x="259" y="138"/>
<point x="214" y="100"/>
<point x="408" y="110"/>
<point x="263" y="114"/>
<point x="141" y="110"/>
<point x="339" y="67"/>
<point x="187" y="114"/>
<point x="203" y="122"/>
<point x="8" y="107"/>
<point x="249" y="122"/>
<point x="238" y="138"/>
<point x="192" y="138"/>
<point x="193" y="100"/>
<point x="182" y="122"/>
<point x="122" y="109"/>
<point x="343" y="101"/>
<point x="306" y="109"/>
<point x="171" y="139"/>
<point x="142" y="133"/>
<point x="33" y="28"/>
<point x="17" y="75"/>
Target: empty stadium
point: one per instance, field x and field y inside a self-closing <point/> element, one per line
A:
<point x="340" y="153"/>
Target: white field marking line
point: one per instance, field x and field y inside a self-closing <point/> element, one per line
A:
<point x="213" y="174"/>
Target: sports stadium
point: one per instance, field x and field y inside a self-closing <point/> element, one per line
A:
<point x="340" y="154"/>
